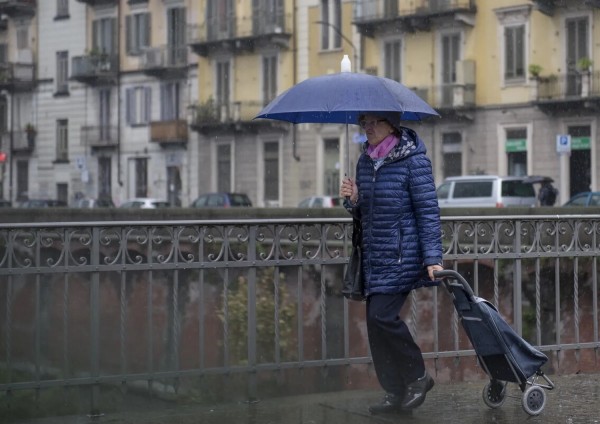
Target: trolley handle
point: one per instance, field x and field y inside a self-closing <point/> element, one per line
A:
<point x="450" y="273"/>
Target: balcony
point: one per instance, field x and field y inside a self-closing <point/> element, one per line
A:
<point x="17" y="77"/>
<point x="102" y="136"/>
<point x="576" y="92"/>
<point x="372" y="16"/>
<point x="95" y="69"/>
<point x="165" y="61"/>
<point x="169" y="133"/>
<point x="235" y="35"/>
<point x="99" y="2"/>
<point x="23" y="142"/>
<point x="17" y="8"/>
<point x="233" y="116"/>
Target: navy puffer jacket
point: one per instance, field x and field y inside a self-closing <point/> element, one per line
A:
<point x="400" y="217"/>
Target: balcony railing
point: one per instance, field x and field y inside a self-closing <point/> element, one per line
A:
<point x="99" y="2"/>
<point x="22" y="141"/>
<point x="173" y="303"/>
<point x="165" y="60"/>
<point x="169" y="132"/>
<point x="100" y="135"/>
<point x="212" y="113"/>
<point x="17" y="8"/>
<point x="241" y="33"/>
<point x="17" y="76"/>
<point x="414" y="15"/>
<point x="580" y="90"/>
<point x="95" y="68"/>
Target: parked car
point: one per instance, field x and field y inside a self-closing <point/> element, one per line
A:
<point x="5" y="203"/>
<point x="485" y="191"/>
<point x="145" y="203"/>
<point x="221" y="200"/>
<point x="587" y="198"/>
<point x="321" y="202"/>
<point x="43" y="203"/>
<point x="103" y="202"/>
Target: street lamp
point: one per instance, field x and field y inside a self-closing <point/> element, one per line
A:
<point x="346" y="39"/>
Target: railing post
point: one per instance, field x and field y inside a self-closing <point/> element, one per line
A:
<point x="517" y="283"/>
<point x="252" y="385"/>
<point x="95" y="324"/>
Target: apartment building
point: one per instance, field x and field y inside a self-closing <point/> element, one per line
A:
<point x="507" y="76"/>
<point x="109" y="102"/>
<point x="158" y="97"/>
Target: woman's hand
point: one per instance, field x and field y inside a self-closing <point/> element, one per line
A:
<point x="432" y="268"/>
<point x="349" y="189"/>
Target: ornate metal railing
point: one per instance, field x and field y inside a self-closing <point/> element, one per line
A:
<point x="167" y="302"/>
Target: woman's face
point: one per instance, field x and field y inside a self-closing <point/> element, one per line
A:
<point x="376" y="128"/>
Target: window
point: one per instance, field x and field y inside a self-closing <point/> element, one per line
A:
<point x="271" y="173"/>
<point x="220" y="18"/>
<point x="392" y="67"/>
<point x="331" y="162"/>
<point x="138" y="105"/>
<point x="463" y="190"/>
<point x="516" y="151"/>
<point x="22" y="37"/>
<point x="62" y="8"/>
<point x="169" y="101"/>
<point x="450" y="55"/>
<point x="104" y="113"/>
<point x="137" y="29"/>
<point x="452" y="154"/>
<point x="514" y="52"/>
<point x="577" y="31"/>
<point x="141" y="177"/>
<point x="62" y="72"/>
<point x="104" y="177"/>
<point x="176" y="27"/>
<point x="222" y="88"/>
<point x="22" y="180"/>
<point x="224" y="168"/>
<point x="104" y="39"/>
<point x="269" y="78"/>
<point x="62" y="140"/>
<point x="62" y="193"/>
<point x="331" y="30"/>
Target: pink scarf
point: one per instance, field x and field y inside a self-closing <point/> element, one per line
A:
<point x="382" y="149"/>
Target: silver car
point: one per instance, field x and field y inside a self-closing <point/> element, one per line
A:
<point x="493" y="191"/>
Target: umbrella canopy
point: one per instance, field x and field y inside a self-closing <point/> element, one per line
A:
<point x="537" y="179"/>
<point x="340" y="98"/>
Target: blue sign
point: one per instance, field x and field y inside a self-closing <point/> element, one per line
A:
<point x="563" y="143"/>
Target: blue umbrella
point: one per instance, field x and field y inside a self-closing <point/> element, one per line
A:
<point x="340" y="98"/>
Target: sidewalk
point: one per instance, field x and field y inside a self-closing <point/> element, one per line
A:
<point x="575" y="400"/>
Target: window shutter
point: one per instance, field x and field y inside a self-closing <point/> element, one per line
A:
<point x="147" y="105"/>
<point x="128" y="34"/>
<point x="145" y="42"/>
<point x="130" y="111"/>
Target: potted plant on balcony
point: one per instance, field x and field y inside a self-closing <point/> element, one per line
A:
<point x="535" y="71"/>
<point x="584" y="65"/>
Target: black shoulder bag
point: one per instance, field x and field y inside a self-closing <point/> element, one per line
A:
<point x="354" y="285"/>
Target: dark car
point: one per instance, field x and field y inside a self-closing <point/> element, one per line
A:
<point x="5" y="203"/>
<point x="222" y="200"/>
<point x="43" y="203"/>
<point x="587" y="198"/>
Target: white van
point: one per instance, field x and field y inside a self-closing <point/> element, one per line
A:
<point x="485" y="191"/>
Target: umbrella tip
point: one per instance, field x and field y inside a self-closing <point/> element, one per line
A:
<point x="345" y="65"/>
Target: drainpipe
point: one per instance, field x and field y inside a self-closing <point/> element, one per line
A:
<point x="295" y="74"/>
<point x="119" y="179"/>
<point x="10" y="150"/>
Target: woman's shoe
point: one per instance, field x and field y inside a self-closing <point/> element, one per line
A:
<point x="391" y="404"/>
<point x="416" y="391"/>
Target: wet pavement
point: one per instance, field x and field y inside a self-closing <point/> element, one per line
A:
<point x="574" y="400"/>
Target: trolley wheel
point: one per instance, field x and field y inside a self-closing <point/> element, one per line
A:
<point x="534" y="400"/>
<point x="494" y="394"/>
